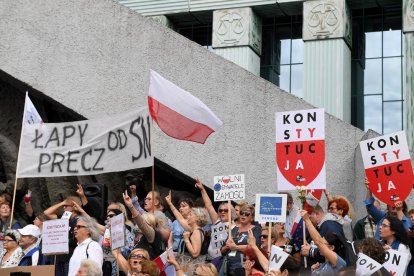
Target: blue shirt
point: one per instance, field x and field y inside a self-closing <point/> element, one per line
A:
<point x="326" y="269"/>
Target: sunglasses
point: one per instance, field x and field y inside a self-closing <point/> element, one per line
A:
<point x="245" y="214"/>
<point x="264" y="236"/>
<point x="80" y="226"/>
<point x="137" y="256"/>
<point x="223" y="210"/>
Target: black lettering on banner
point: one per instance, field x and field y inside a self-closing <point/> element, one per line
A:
<point x="70" y="160"/>
<point x="373" y="160"/>
<point x="144" y="143"/>
<point x="396" y="260"/>
<point x="68" y="131"/>
<point x="42" y="161"/>
<point x="57" y="162"/>
<point x="122" y="143"/>
<point x="312" y="148"/>
<point x="382" y="143"/>
<point x="54" y="136"/>
<point x="276" y="259"/>
<point x="287" y="135"/>
<point x="37" y="137"/>
<point x="89" y="152"/>
<point x="111" y="135"/>
<point x="82" y="133"/>
<point x="286" y="119"/>
<point x="102" y="150"/>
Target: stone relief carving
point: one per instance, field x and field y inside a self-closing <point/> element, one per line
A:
<point x="326" y="19"/>
<point x="408" y="16"/>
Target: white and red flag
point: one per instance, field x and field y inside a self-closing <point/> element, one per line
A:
<point x="165" y="268"/>
<point x="300" y="149"/>
<point x="178" y="113"/>
<point x="388" y="167"/>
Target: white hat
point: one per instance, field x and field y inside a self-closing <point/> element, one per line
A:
<point x="30" y="230"/>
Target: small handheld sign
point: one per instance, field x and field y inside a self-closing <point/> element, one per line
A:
<point x="270" y="208"/>
<point x="396" y="262"/>
<point x="300" y="149"/>
<point x="277" y="258"/>
<point x="229" y="187"/>
<point x="117" y="231"/>
<point x="55" y="237"/>
<point x="366" y="266"/>
<point x="388" y="167"/>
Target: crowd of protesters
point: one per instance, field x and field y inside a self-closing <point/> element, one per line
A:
<point x="156" y="224"/>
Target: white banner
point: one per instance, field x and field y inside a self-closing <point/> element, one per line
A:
<point x="229" y="187"/>
<point x="117" y="231"/>
<point x="117" y="143"/>
<point x="366" y="266"/>
<point x="396" y="262"/>
<point x="55" y="237"/>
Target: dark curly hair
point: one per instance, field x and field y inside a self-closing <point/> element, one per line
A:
<point x="333" y="239"/>
<point x="373" y="249"/>
<point x="400" y="233"/>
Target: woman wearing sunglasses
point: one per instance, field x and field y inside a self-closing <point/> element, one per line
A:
<point x="11" y="254"/>
<point x="132" y="265"/>
<point x="235" y="246"/>
<point x="285" y="243"/>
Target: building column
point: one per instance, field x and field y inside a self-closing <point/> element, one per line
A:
<point x="408" y="84"/>
<point x="327" y="56"/>
<point x="237" y="36"/>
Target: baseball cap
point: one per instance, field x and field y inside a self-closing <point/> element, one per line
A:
<point x="30" y="230"/>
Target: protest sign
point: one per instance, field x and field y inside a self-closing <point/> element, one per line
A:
<point x="66" y="215"/>
<point x="219" y="234"/>
<point x="277" y="258"/>
<point x="388" y="167"/>
<point x="117" y="231"/>
<point x="116" y="143"/>
<point x="270" y="208"/>
<point x="229" y="187"/>
<point x="396" y="262"/>
<point x="365" y="266"/>
<point x="300" y="149"/>
<point x="55" y="237"/>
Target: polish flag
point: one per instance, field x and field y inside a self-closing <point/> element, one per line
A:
<point x="312" y="199"/>
<point x="165" y="268"/>
<point x="178" y="113"/>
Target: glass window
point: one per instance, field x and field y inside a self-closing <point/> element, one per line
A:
<point x="373" y="45"/>
<point x="392" y="117"/>
<point x="373" y="113"/>
<point x="284" y="77"/>
<point x="392" y="79"/>
<point x="372" y="76"/>
<point x="297" y="51"/>
<point x="285" y="51"/>
<point x="297" y="80"/>
<point x="392" y="43"/>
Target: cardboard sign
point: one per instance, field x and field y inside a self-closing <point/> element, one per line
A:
<point x="270" y="208"/>
<point x="388" y="167"/>
<point x="300" y="149"/>
<point x="117" y="143"/>
<point x="365" y="266"/>
<point x="277" y="258"/>
<point x="55" y="237"/>
<point x="219" y="234"/>
<point x="117" y="231"/>
<point x="396" y="262"/>
<point x="39" y="270"/>
<point x="229" y="187"/>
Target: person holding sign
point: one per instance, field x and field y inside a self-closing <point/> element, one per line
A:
<point x="331" y="246"/>
<point x="236" y="245"/>
<point x="394" y="236"/>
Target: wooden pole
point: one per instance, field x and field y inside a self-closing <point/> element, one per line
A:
<point x="305" y="261"/>
<point x="269" y="238"/>
<point x="229" y="214"/>
<point x="152" y="169"/>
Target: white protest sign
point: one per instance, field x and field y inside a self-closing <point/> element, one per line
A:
<point x="396" y="262"/>
<point x="229" y="187"/>
<point x="366" y="266"/>
<point x="117" y="231"/>
<point x="388" y="167"/>
<point x="66" y="215"/>
<point x="219" y="234"/>
<point x="270" y="208"/>
<point x="117" y="143"/>
<point x="300" y="149"/>
<point x="277" y="258"/>
<point x="55" y="237"/>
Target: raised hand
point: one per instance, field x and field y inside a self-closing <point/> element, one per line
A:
<point x="199" y="185"/>
<point x="127" y="199"/>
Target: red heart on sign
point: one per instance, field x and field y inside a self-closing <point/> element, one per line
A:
<point x="226" y="179"/>
<point x="300" y="162"/>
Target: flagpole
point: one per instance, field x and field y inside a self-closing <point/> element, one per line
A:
<point x="305" y="261"/>
<point x="17" y="165"/>
<point x="229" y="214"/>
<point x="152" y="169"/>
<point x="269" y="238"/>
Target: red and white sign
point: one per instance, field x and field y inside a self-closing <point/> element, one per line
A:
<point x="388" y="167"/>
<point x="300" y="149"/>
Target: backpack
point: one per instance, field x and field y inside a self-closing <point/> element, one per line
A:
<point x="351" y="252"/>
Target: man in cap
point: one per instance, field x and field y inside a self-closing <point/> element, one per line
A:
<point x="28" y="240"/>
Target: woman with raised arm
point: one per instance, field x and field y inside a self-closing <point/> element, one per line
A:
<point x="330" y="246"/>
<point x="131" y="266"/>
<point x="148" y="225"/>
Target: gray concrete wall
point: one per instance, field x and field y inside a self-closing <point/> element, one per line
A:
<point x="94" y="57"/>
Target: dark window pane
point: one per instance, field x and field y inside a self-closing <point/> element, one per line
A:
<point x="372" y="76"/>
<point x="392" y="79"/>
<point x="373" y="113"/>
<point x="297" y="51"/>
<point x="285" y="77"/>
<point x="392" y="117"/>
<point x="373" y="45"/>
<point x="297" y="80"/>
<point x="392" y="43"/>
